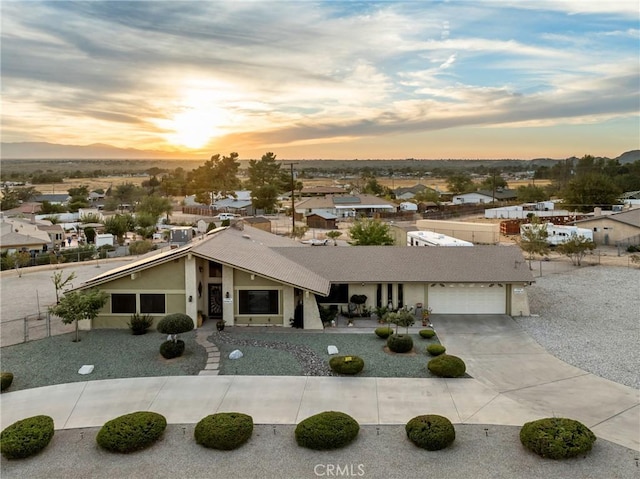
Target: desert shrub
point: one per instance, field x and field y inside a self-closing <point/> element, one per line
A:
<point x="6" y="379"/>
<point x="436" y="349"/>
<point x="447" y="366"/>
<point x="327" y="430"/>
<point x="26" y="437"/>
<point x="225" y="431"/>
<point x="172" y="349"/>
<point x="139" y="323"/>
<point x="431" y="432"/>
<point x="175" y="323"/>
<point x="131" y="432"/>
<point x="557" y="437"/>
<point x="400" y="343"/>
<point x="346" y="364"/>
<point x="384" y="332"/>
<point x="427" y="333"/>
<point x="140" y="247"/>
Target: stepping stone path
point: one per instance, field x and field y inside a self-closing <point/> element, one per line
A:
<point x="213" y="353"/>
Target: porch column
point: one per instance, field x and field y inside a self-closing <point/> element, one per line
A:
<point x="191" y="289"/>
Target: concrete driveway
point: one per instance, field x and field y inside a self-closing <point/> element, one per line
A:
<point x="499" y="354"/>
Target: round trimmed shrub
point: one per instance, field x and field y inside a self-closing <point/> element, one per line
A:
<point x="384" y="332"/>
<point x="346" y="364"/>
<point x="6" y="379"/>
<point x="431" y="432"/>
<point x="131" y="432"/>
<point x="171" y="349"/>
<point x="447" y="366"/>
<point x="436" y="349"/>
<point x="400" y="343"/>
<point x="225" y="431"/>
<point x="327" y="430"/>
<point x="557" y="437"/>
<point x="427" y="333"/>
<point x="26" y="437"/>
<point x="175" y="323"/>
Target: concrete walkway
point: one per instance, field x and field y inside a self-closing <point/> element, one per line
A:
<point x="514" y="381"/>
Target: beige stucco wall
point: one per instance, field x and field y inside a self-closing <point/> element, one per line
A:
<point x="518" y="300"/>
<point x="167" y="279"/>
<point x="616" y="231"/>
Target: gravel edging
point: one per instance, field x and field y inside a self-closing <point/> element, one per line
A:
<point x="589" y="318"/>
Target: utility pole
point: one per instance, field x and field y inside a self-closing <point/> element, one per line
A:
<point x="293" y="208"/>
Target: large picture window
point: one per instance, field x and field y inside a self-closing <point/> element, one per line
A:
<point x="253" y="301"/>
<point x="123" y="303"/>
<point x="339" y="293"/>
<point x="152" y="303"/>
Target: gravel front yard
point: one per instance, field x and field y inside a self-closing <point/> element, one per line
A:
<point x="589" y="318"/>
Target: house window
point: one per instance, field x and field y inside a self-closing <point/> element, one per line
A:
<point x="152" y="303"/>
<point x="215" y="270"/>
<point x="253" y="301"/>
<point x="400" y="295"/>
<point x="339" y="293"/>
<point x="123" y="303"/>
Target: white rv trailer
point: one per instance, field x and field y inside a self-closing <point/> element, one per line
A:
<point x="431" y="238"/>
<point x="557" y="234"/>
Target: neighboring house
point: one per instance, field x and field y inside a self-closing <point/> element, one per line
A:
<point x="321" y="220"/>
<point x="20" y="235"/>
<point x="54" y="199"/>
<point x="344" y="205"/>
<point x="484" y="196"/>
<point x="309" y="191"/>
<point x="613" y="229"/>
<point x="246" y="276"/>
<point x="408" y="193"/>
<point x="631" y="198"/>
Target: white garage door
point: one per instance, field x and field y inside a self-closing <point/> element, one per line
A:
<point x="468" y="299"/>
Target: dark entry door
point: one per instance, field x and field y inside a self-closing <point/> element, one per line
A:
<point x="215" y="301"/>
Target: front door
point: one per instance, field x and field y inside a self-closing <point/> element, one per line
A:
<point x="215" y="301"/>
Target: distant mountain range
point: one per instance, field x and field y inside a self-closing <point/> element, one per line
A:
<point x="97" y="151"/>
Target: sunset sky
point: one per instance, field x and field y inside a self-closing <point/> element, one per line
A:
<point x="325" y="79"/>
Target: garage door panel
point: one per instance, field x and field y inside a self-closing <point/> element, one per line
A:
<point x="468" y="299"/>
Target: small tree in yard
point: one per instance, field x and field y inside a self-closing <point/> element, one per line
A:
<point x="78" y="305"/>
<point x="334" y="235"/>
<point x="534" y="239"/>
<point x="402" y="318"/>
<point x="17" y="260"/>
<point x="575" y="248"/>
<point x="370" y="232"/>
<point x="174" y="324"/>
<point x="59" y="282"/>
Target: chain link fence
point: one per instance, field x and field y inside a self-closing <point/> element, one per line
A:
<point x="32" y="327"/>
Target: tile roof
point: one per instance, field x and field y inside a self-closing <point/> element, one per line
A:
<point x="630" y="217"/>
<point x="413" y="264"/>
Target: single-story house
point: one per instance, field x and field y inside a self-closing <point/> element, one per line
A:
<point x="20" y="235"/>
<point x="246" y="276"/>
<point x="409" y="192"/>
<point x="53" y="198"/>
<point x="321" y="220"/>
<point x="344" y="205"/>
<point x="485" y="196"/>
<point x="309" y="191"/>
<point x="617" y="228"/>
